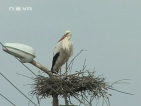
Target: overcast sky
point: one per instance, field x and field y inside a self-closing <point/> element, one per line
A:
<point x="110" y="31"/>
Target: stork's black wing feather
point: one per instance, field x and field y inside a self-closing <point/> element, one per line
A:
<point x="54" y="60"/>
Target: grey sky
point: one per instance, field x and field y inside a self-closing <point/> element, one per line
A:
<point x="108" y="29"/>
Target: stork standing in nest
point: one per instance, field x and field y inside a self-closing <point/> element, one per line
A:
<point x="63" y="51"/>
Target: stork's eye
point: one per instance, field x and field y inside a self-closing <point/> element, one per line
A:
<point x="67" y="33"/>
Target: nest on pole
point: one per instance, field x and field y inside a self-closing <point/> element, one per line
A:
<point x="75" y="85"/>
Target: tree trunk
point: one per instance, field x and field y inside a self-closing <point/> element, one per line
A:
<point x="55" y="100"/>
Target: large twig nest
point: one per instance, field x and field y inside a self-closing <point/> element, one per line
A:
<point x="73" y="84"/>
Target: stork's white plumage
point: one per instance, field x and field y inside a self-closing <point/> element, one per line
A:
<point x="63" y="51"/>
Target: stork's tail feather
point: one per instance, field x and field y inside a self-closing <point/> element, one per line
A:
<point x="54" y="71"/>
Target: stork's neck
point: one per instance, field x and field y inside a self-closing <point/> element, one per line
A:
<point x="65" y="43"/>
<point x="69" y="37"/>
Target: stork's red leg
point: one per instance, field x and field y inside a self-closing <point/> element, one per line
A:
<point x="66" y="68"/>
<point x="60" y="70"/>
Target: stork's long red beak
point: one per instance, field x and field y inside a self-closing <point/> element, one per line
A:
<point x="62" y="38"/>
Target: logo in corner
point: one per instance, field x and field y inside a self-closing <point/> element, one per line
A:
<point x="20" y="9"/>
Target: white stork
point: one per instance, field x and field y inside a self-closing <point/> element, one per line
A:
<point x="63" y="51"/>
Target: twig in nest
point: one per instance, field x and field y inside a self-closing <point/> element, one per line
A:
<point x="71" y="62"/>
<point x="120" y="82"/>
<point x="121" y="91"/>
